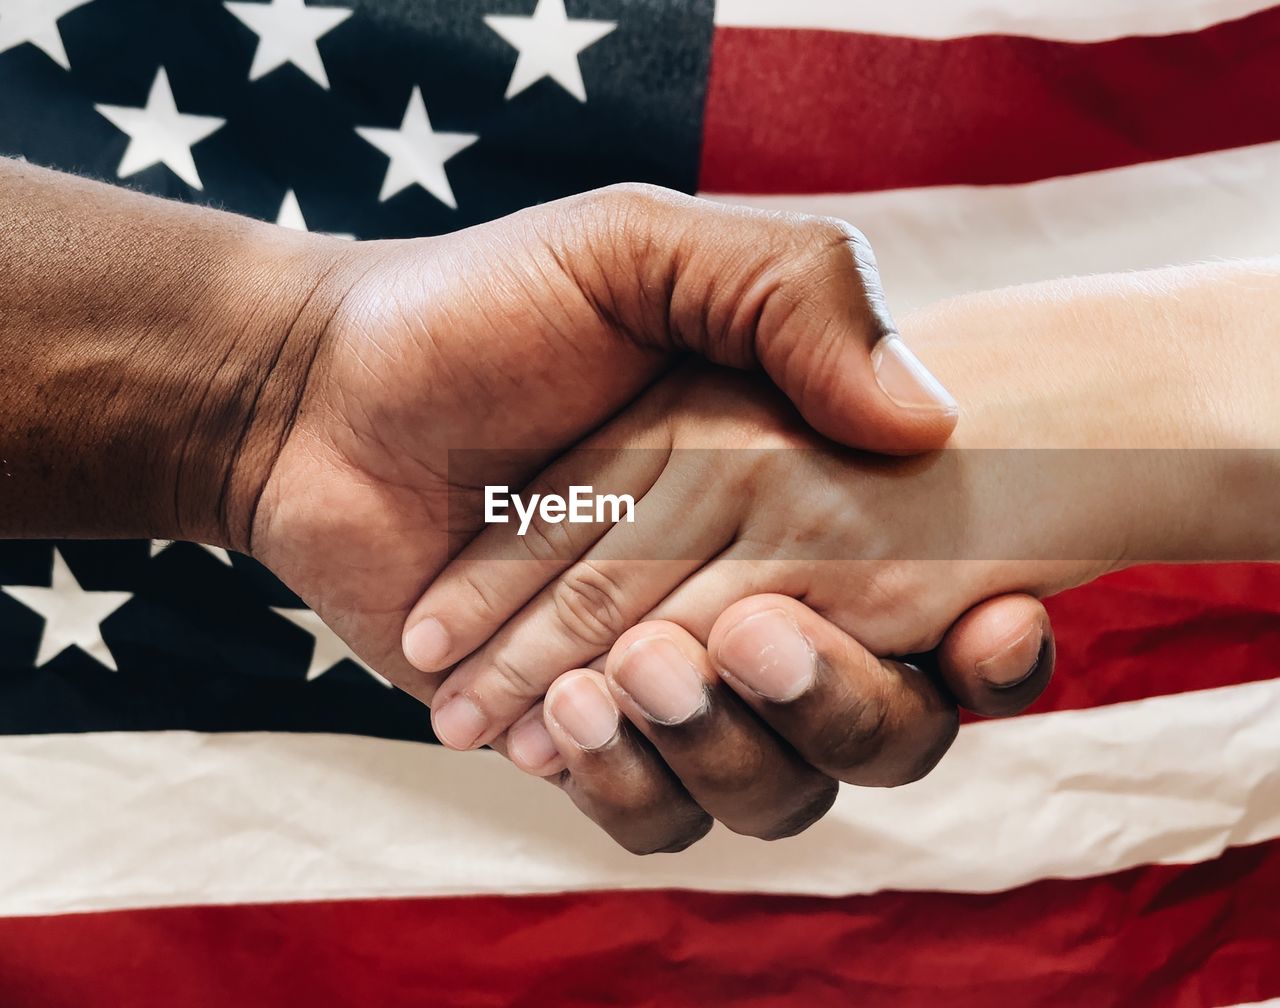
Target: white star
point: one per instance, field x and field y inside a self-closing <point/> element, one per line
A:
<point x="160" y="545"/>
<point x="290" y="216"/>
<point x="72" y="616"/>
<point x="329" y="648"/>
<point x="549" y="43"/>
<point x="417" y="152"/>
<point x="287" y="32"/>
<point x="160" y="133"/>
<point x="36" y="21"/>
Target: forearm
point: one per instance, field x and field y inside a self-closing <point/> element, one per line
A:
<point x="1166" y="379"/>
<point x="150" y="349"/>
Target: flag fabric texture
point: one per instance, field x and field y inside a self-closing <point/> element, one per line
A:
<point x="206" y="801"/>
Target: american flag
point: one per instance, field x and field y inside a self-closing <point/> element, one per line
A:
<point x="205" y="800"/>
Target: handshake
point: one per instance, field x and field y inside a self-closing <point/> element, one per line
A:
<point x="800" y="556"/>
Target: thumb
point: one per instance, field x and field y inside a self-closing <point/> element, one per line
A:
<point x="998" y="657"/>
<point x="798" y="296"/>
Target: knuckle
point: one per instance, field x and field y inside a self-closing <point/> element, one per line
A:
<point x="642" y="812"/>
<point x="833" y="233"/>
<point x="911" y="759"/>
<point x="805" y="810"/>
<point x="620" y="206"/>
<point x="478" y="598"/>
<point x="515" y="679"/>
<point x="544" y="541"/>
<point x="856" y="737"/>
<point x="588" y="604"/>
<point x="634" y="195"/>
<point x="728" y="773"/>
<point x="930" y="755"/>
<point x="838" y="251"/>
<point x="672" y="837"/>
<point x="820" y="251"/>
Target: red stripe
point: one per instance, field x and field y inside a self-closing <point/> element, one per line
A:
<point x="1168" y="936"/>
<point x="791" y="111"/>
<point x="1157" y="630"/>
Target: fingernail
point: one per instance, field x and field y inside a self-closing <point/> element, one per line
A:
<point x="580" y="707"/>
<point x="657" y="676"/>
<point x="769" y="655"/>
<point x="459" y="723"/>
<point x="905" y="379"/>
<point x="426" y="644"/>
<point x="529" y="744"/>
<point x="1014" y="663"/>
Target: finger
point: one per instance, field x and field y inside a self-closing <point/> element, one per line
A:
<point x="854" y="716"/>
<point x="798" y="295"/>
<point x="731" y="764"/>
<point x="580" y="616"/>
<point x="530" y="747"/>
<point x="739" y="572"/>
<point x="502" y="569"/>
<point x="998" y="657"/>
<point x="613" y="775"/>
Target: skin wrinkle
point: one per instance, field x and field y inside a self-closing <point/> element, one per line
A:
<point x="807" y="814"/>
<point x="225" y="506"/>
<point x="756" y="798"/>
<point x="784" y="319"/>
<point x="659" y="259"/>
<point x="549" y="281"/>
<point x="302" y="383"/>
<point x="815" y="380"/>
<point x="872" y="287"/>
<point x="761" y="290"/>
<point x="654" y="819"/>
<point x="605" y="307"/>
<point x="540" y="541"/>
<point x="678" y="257"/>
<point x="586" y="599"/>
<point x="512" y="676"/>
<point x="187" y="450"/>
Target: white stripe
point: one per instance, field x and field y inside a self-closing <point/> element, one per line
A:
<point x="1068" y="20"/>
<point x="115" y="820"/>
<point x="935" y="242"/>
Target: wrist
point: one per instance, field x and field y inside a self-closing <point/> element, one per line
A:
<point x="1234" y="486"/>
<point x="262" y="342"/>
<point x="1161" y="384"/>
<point x="157" y="350"/>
